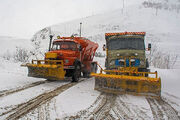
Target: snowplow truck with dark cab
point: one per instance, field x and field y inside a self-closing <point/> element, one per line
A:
<point x="127" y="66"/>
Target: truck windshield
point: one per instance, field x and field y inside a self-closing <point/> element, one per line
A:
<point x="126" y="43"/>
<point x="64" y="45"/>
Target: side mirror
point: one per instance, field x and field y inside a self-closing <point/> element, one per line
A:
<point x="149" y="46"/>
<point x="104" y="47"/>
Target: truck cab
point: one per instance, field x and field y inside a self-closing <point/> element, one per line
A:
<point x="66" y="50"/>
<point x="126" y="50"/>
<point x="126" y="66"/>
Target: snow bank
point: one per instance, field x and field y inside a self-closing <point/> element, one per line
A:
<point x="12" y="75"/>
<point x="170" y="80"/>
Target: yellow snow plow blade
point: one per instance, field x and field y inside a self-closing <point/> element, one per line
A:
<point x="120" y="82"/>
<point x="49" y="69"/>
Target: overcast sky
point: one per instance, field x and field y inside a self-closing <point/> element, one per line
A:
<point x="22" y="18"/>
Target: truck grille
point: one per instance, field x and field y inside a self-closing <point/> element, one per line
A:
<point x="127" y="62"/>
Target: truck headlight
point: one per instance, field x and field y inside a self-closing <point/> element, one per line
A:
<point x="112" y="62"/>
<point x="132" y="60"/>
<point x="121" y="60"/>
<point x="118" y="54"/>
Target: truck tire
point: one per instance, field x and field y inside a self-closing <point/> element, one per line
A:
<point x="147" y="63"/>
<point x="77" y="73"/>
<point x="94" y="67"/>
<point x="147" y="70"/>
<point x="144" y="70"/>
<point x="86" y="74"/>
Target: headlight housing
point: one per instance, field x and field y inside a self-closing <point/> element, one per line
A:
<point x="132" y="60"/>
<point x="121" y="60"/>
<point x="118" y="54"/>
<point x="136" y="54"/>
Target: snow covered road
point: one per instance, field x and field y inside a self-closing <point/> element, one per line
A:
<point x="23" y="98"/>
<point x="120" y="107"/>
<point x="66" y="100"/>
<point x="81" y="102"/>
<point x="11" y="103"/>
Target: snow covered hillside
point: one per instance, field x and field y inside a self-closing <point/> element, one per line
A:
<point x="160" y="23"/>
<point x="159" y="19"/>
<point x="8" y="44"/>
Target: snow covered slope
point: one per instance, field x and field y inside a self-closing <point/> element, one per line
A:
<point x="161" y="25"/>
<point x="8" y="44"/>
<point x="159" y="19"/>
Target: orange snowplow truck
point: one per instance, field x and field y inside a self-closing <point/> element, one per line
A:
<point x="67" y="57"/>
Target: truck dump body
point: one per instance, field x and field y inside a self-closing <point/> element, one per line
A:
<point x="127" y="67"/>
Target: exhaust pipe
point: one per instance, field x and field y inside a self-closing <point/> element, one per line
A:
<point x="80" y="29"/>
<point x="50" y="42"/>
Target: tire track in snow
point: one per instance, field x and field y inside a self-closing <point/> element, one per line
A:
<point x="125" y="110"/>
<point x="18" y="89"/>
<point x="121" y="110"/>
<point x="169" y="100"/>
<point x="43" y="112"/>
<point x="162" y="110"/>
<point x="99" y="110"/>
<point x="26" y="107"/>
<point x="90" y="111"/>
<point x="170" y="95"/>
<point x="109" y="117"/>
<point x="103" y="112"/>
<point x="110" y="107"/>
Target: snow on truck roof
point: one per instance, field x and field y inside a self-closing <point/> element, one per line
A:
<point x="125" y="33"/>
<point x="80" y="40"/>
<point x="69" y="38"/>
<point x="73" y="39"/>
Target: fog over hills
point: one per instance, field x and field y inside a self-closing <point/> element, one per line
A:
<point x="159" y="19"/>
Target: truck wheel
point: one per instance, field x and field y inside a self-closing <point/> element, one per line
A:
<point x="94" y="67"/>
<point x="147" y="63"/>
<point x="86" y="74"/>
<point x="77" y="73"/>
<point x="144" y="70"/>
<point x="147" y="70"/>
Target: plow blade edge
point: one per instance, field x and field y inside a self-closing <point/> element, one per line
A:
<point x="119" y="84"/>
<point x="48" y="71"/>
